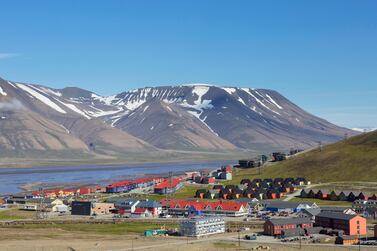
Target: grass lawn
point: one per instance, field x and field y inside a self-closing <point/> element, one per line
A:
<point x="121" y="228"/>
<point x="224" y="245"/>
<point x="324" y="202"/>
<point x="11" y="214"/>
<point x="187" y="191"/>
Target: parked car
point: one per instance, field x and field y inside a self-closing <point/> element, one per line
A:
<point x="252" y="237"/>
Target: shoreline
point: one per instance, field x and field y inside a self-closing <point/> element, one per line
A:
<point x="64" y="177"/>
<point x="95" y="167"/>
<point x="73" y="185"/>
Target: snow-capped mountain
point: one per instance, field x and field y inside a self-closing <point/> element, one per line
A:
<point x="36" y="119"/>
<point x="364" y="129"/>
<point x="185" y="117"/>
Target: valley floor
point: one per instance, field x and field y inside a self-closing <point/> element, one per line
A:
<point x="56" y="240"/>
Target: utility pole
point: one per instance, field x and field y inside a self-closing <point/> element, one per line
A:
<point x="300" y="242"/>
<point x="38" y="211"/>
<point x="239" y="237"/>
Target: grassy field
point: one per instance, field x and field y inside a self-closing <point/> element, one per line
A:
<point x="118" y="229"/>
<point x="324" y="202"/>
<point x="14" y="214"/>
<point x="187" y="191"/>
<point x="354" y="159"/>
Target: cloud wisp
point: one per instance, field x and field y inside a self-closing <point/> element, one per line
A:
<point x="8" y="55"/>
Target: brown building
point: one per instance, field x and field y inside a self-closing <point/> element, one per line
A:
<point x="347" y="240"/>
<point x="102" y="208"/>
<point x="91" y="208"/>
<point x="278" y="227"/>
<point x="350" y="224"/>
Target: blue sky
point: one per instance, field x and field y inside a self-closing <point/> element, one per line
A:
<point x="320" y="54"/>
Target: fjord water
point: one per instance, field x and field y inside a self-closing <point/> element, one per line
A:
<point x="12" y="179"/>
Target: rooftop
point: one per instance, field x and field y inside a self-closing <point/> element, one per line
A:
<point x="285" y="221"/>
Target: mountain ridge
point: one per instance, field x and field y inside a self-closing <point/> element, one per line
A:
<point x="183" y="117"/>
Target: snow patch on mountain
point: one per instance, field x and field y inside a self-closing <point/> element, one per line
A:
<point x="229" y="90"/>
<point x="106" y="100"/>
<point x="365" y="129"/>
<point x="274" y="102"/>
<point x="101" y="113"/>
<point x="75" y="109"/>
<point x="34" y="93"/>
<point x="248" y="91"/>
<point x="11" y="84"/>
<point x="49" y="91"/>
<point x="2" y="92"/>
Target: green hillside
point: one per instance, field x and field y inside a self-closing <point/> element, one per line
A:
<point x="354" y="159"/>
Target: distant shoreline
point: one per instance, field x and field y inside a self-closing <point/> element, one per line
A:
<point x="14" y="180"/>
<point x="14" y="163"/>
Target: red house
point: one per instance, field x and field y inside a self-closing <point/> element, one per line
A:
<point x="350" y="224"/>
<point x="276" y="227"/>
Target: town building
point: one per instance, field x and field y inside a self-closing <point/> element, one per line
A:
<point x="345" y="210"/>
<point x="61" y="193"/>
<point x="124" y="205"/>
<point x="168" y="186"/>
<point x="154" y="207"/>
<point x="279" y="227"/>
<point x="287" y="206"/>
<point x="124" y="186"/>
<point x="141" y="213"/>
<point x="91" y="208"/>
<point x="346" y="240"/>
<point x="208" y="208"/>
<point x="368" y="208"/>
<point x="202" y="226"/>
<point x="350" y="224"/>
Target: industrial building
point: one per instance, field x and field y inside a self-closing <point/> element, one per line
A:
<point x="350" y="224"/>
<point x="197" y="227"/>
<point x="279" y="227"/>
<point x="168" y="186"/>
<point x="91" y="208"/>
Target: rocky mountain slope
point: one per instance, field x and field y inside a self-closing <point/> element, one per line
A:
<point x="188" y="117"/>
<point x="36" y="119"/>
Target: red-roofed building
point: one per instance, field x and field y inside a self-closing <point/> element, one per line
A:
<point x="128" y="185"/>
<point x="141" y="213"/>
<point x="62" y="192"/>
<point x="225" y="208"/>
<point x="168" y="186"/>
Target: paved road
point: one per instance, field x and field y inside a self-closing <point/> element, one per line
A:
<point x="181" y="242"/>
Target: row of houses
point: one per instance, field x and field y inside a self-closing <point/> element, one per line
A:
<point x="142" y="208"/>
<point x="210" y="208"/>
<point x="341" y="196"/>
<point x="63" y="193"/>
<point x="224" y="173"/>
<point x="299" y="181"/>
<point x="367" y="208"/>
<point x="128" y="185"/>
<point x="121" y="206"/>
<point x="204" y="179"/>
<point x="259" y="189"/>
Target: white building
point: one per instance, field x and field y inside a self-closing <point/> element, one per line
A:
<point x="202" y="226"/>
